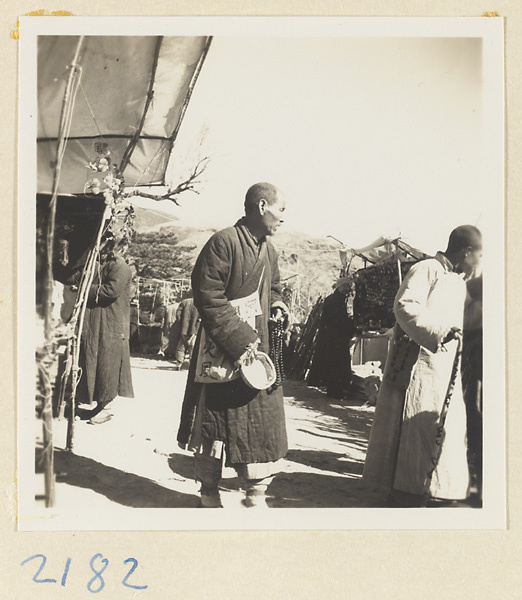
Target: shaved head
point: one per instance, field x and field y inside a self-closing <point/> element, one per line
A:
<point x="465" y="236"/>
<point x="258" y="192"/>
<point x="264" y="209"/>
<point x="465" y="249"/>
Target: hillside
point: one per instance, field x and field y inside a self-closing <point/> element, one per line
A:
<point x="168" y="250"/>
<point x="315" y="259"/>
<point x="150" y="220"/>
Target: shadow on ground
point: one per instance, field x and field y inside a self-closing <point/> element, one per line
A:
<point x="120" y="487"/>
<point x="336" y="492"/>
<point x="183" y="465"/>
<point x="352" y="418"/>
<point x="153" y="361"/>
<point x="326" y="461"/>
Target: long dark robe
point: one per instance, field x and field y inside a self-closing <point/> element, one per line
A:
<point x="134" y="339"/>
<point x="472" y="357"/>
<point x="167" y="329"/>
<point x="104" y="351"/>
<point x="188" y="322"/>
<point x="251" y="423"/>
<point x="331" y="363"/>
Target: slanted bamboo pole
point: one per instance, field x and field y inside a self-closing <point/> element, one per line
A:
<point x="80" y="309"/>
<point x="47" y="413"/>
<point x="44" y="381"/>
<point x="306" y="343"/>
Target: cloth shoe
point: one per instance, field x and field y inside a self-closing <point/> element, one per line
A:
<point x="442" y="503"/>
<point x="254" y="501"/>
<point x="255" y="494"/>
<point x="210" y="498"/>
<point x="102" y="417"/>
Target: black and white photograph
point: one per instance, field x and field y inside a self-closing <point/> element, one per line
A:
<point x="261" y="273"/>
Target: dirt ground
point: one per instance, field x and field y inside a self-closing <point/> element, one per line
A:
<point x="134" y="461"/>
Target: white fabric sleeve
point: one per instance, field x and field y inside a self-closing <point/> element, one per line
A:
<point x="411" y="307"/>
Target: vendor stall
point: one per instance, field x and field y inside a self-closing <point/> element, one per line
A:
<point x="371" y="347"/>
<point x="109" y="112"/>
<point x="375" y="273"/>
<point x="385" y="263"/>
<point x="150" y="303"/>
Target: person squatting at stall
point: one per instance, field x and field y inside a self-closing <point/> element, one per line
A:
<point x="414" y="455"/>
<point x="231" y="419"/>
<point x="104" y="349"/>
<point x="332" y="363"/>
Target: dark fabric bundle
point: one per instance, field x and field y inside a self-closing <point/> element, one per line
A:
<point x="375" y="291"/>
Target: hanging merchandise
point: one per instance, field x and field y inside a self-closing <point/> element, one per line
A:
<point x="372" y="308"/>
<point x="375" y="291"/>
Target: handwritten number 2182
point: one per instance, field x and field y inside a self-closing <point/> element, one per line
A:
<point x="97" y="582"/>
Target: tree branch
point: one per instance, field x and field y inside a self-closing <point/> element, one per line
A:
<point x="189" y="185"/>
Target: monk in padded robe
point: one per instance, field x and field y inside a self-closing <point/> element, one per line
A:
<point x="230" y="420"/>
<point x="403" y="455"/>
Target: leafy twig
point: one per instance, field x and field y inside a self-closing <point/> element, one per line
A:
<point x="189" y="185"/>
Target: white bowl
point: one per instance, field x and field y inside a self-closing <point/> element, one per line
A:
<point x="260" y="374"/>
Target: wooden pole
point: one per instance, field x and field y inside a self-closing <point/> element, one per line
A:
<point x="138" y="300"/>
<point x="65" y="379"/>
<point x="305" y="344"/>
<point x="335" y="239"/>
<point x="47" y="420"/>
<point x="80" y="308"/>
<point x="150" y="95"/>
<point x="64" y="126"/>
<point x="47" y="412"/>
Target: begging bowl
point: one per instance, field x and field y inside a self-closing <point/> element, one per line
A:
<point x="260" y="374"/>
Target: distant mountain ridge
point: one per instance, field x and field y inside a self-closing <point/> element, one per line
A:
<point x="147" y="219"/>
<point x="176" y="247"/>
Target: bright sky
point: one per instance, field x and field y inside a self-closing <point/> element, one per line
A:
<point x="364" y="136"/>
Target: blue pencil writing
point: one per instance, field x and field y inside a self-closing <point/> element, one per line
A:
<point x="66" y="572"/>
<point x="131" y="571"/>
<point x="97" y="574"/>
<point x="42" y="565"/>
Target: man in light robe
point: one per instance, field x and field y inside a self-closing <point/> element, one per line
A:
<point x="405" y="454"/>
<point x="230" y="420"/>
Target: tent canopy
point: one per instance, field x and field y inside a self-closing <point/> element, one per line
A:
<point x="131" y="99"/>
<point x="380" y="251"/>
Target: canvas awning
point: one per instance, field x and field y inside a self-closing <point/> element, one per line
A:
<point x="382" y="250"/>
<point x="132" y="96"/>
